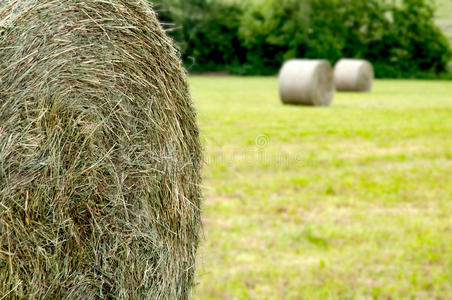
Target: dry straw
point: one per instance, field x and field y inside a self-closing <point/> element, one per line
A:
<point x="306" y="82"/>
<point x="99" y="154"/>
<point x="353" y="75"/>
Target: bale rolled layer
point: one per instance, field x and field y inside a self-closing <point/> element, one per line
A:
<point x="353" y="75"/>
<point x="306" y="82"/>
<point x="99" y="154"/>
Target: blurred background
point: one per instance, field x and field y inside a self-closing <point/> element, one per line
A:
<point x="403" y="38"/>
<point x="352" y="201"/>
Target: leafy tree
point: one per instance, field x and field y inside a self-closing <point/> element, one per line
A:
<point x="274" y="31"/>
<point x="257" y="36"/>
<point x="206" y="31"/>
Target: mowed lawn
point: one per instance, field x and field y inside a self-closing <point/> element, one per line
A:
<point x="353" y="201"/>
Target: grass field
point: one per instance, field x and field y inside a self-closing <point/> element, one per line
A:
<point x="348" y="202"/>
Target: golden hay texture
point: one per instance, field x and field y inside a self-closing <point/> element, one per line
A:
<point x="306" y="82"/>
<point x="354" y="75"/>
<point x="99" y="154"/>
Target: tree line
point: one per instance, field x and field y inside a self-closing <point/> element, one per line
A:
<point x="254" y="37"/>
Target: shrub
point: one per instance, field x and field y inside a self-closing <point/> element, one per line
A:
<point x="206" y="32"/>
<point x="257" y="36"/>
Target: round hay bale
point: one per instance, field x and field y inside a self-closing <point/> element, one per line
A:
<point x="99" y="154"/>
<point x="306" y="82"/>
<point x="355" y="75"/>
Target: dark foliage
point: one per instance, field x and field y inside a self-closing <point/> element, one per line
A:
<point x="257" y="36"/>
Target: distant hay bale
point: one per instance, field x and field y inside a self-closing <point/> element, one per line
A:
<point x="99" y="154"/>
<point x="355" y="75"/>
<point x="306" y="82"/>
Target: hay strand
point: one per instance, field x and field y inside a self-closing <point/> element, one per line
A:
<point x="99" y="154"/>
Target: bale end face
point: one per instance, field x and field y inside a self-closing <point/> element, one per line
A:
<point x="99" y="154"/>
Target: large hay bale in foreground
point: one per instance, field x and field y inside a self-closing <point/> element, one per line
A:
<point x="354" y="75"/>
<point x="99" y="154"/>
<point x="306" y="82"/>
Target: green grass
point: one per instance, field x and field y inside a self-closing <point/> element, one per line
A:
<point x="348" y="202"/>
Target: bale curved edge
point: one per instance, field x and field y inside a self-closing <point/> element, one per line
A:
<point x="306" y="82"/>
<point x="99" y="154"/>
<point x="354" y="75"/>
